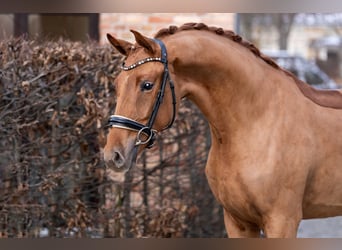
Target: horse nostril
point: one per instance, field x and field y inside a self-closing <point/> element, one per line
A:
<point x="118" y="159"/>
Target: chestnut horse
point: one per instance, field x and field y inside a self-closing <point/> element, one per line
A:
<point x="276" y="153"/>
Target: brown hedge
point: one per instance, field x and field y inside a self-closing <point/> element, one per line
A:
<point x="55" y="98"/>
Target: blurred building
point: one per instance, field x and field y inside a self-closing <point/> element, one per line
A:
<point x="149" y="23"/>
<point x="82" y="27"/>
<point x="328" y="54"/>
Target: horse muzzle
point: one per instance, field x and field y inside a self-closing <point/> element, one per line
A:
<point x="121" y="159"/>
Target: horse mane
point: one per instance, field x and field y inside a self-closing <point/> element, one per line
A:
<point x="325" y="98"/>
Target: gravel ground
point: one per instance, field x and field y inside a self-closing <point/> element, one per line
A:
<point x="321" y="228"/>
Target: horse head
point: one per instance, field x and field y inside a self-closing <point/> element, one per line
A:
<point x="146" y="100"/>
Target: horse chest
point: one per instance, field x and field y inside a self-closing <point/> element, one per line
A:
<point x="232" y="192"/>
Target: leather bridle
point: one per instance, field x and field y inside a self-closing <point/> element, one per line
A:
<point x="146" y="134"/>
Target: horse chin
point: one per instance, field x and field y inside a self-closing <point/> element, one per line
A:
<point x="124" y="169"/>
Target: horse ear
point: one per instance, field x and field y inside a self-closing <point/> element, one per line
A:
<point x="145" y="42"/>
<point x="122" y="46"/>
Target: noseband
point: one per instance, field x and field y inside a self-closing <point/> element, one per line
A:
<point x="146" y="130"/>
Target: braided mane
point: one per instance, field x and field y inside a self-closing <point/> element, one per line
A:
<point x="325" y="98"/>
<point x="219" y="31"/>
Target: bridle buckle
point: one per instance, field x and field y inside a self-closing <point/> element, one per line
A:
<point x="145" y="131"/>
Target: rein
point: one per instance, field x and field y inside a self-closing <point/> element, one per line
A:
<point x="118" y="121"/>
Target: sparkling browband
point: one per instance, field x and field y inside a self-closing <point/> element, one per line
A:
<point x="134" y="65"/>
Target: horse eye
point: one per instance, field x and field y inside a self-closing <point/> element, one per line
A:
<point x="146" y="86"/>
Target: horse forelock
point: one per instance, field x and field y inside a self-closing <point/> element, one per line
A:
<point x="327" y="98"/>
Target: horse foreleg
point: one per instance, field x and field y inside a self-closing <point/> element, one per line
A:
<point x="240" y="229"/>
<point x="281" y="226"/>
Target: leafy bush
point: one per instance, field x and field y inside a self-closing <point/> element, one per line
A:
<point x="55" y="98"/>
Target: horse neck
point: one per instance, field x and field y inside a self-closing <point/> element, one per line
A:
<point x="225" y="80"/>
